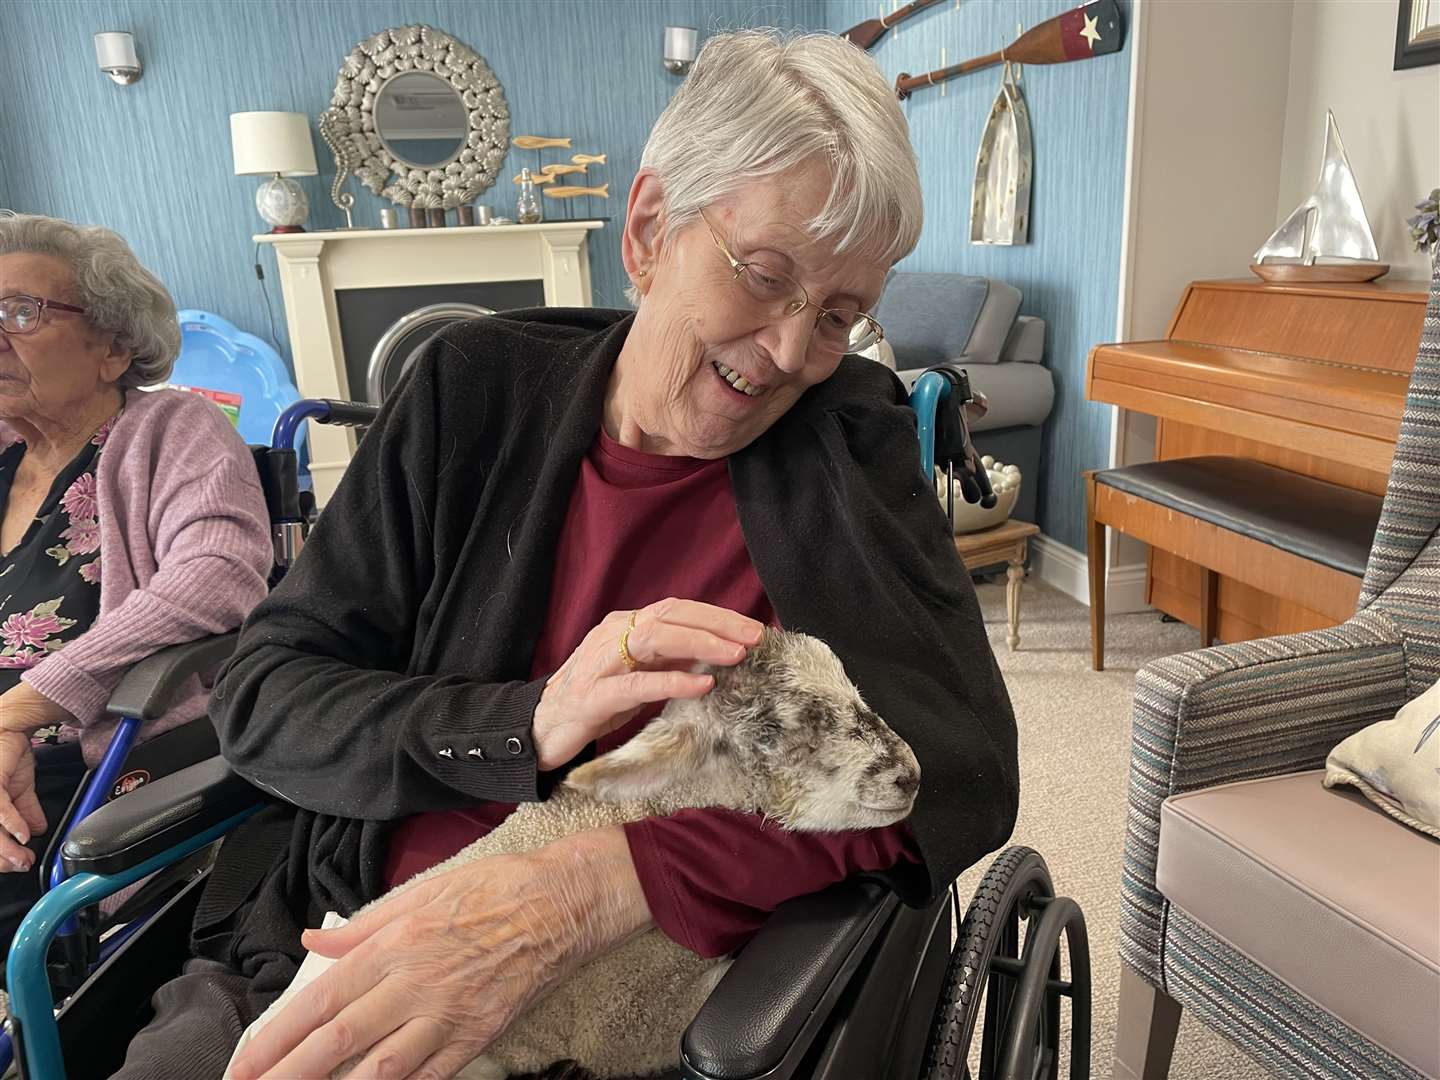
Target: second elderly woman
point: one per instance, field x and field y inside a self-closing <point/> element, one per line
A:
<point x="129" y="521"/>
<point x="559" y="514"/>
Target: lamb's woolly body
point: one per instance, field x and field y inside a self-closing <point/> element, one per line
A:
<point x="784" y="734"/>
<point x="629" y="1036"/>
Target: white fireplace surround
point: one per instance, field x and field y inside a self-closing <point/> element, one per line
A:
<point x="316" y="265"/>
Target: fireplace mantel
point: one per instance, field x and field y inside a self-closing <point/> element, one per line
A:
<point x="316" y="265"/>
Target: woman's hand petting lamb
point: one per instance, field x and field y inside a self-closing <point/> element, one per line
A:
<point x="595" y="692"/>
<point x="428" y="979"/>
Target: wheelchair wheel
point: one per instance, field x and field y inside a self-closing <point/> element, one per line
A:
<point x="1021" y="991"/>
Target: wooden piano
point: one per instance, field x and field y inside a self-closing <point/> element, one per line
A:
<point x="1308" y="378"/>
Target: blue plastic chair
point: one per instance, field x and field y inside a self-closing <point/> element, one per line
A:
<point x="223" y="363"/>
<point x="32" y="1006"/>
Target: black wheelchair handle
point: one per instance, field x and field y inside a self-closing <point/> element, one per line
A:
<point x="349" y="413"/>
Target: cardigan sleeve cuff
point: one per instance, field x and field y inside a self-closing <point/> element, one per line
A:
<point x="72" y="688"/>
<point x="483" y="745"/>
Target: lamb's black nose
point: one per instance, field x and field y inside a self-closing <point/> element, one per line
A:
<point x="908" y="781"/>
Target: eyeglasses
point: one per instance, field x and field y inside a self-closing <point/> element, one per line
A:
<point x="774" y="294"/>
<point x="21" y="314"/>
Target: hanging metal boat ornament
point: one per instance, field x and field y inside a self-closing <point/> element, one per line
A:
<point x="1330" y="225"/>
<point x="1000" y="198"/>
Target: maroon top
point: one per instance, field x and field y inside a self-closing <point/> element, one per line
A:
<point x="641" y="527"/>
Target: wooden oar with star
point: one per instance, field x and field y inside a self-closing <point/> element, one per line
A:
<point x="1092" y="30"/>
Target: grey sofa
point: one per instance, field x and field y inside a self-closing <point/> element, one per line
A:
<point x="974" y="322"/>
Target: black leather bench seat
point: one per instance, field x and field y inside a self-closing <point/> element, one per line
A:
<point x="1322" y="522"/>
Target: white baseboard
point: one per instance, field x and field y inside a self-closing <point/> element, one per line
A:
<point x="1062" y="567"/>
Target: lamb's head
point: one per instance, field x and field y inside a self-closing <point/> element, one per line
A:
<point x="784" y="733"/>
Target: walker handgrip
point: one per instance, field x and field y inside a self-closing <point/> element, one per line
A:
<point x="987" y="493"/>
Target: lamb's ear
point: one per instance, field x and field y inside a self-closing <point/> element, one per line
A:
<point x="660" y="755"/>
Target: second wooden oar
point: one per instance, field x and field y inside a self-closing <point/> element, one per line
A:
<point x="870" y="31"/>
<point x="1092" y="30"/>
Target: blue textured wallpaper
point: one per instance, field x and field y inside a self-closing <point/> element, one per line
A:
<point x="1070" y="270"/>
<point x="152" y="160"/>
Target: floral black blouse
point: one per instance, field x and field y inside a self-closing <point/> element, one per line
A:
<point x="50" y="580"/>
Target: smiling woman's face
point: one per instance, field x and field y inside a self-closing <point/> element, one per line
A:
<point x="56" y="374"/>
<point x="697" y="333"/>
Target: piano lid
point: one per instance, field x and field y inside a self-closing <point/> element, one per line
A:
<point x="1323" y="369"/>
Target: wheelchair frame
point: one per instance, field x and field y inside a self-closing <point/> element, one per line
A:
<point x="836" y="940"/>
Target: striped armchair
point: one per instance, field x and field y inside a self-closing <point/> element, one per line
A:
<point x="1301" y="922"/>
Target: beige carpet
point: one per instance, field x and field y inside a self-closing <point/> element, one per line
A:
<point x="1074" y="758"/>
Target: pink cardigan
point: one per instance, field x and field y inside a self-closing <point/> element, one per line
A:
<point x="185" y="551"/>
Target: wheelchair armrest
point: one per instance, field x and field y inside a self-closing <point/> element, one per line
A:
<point x="149" y="687"/>
<point x="762" y="1017"/>
<point x="156" y="817"/>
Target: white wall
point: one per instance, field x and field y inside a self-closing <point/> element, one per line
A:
<point x="1207" y="124"/>
<point x="1341" y="58"/>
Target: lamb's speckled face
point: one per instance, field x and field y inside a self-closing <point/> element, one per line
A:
<point x="821" y="757"/>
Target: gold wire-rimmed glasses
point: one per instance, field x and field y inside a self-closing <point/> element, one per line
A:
<point x="776" y="295"/>
<point x="21" y="314"/>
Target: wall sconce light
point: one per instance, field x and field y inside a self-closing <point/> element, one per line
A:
<point x="679" y="48"/>
<point x="115" y="52"/>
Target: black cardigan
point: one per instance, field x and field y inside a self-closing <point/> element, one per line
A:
<point x="403" y="637"/>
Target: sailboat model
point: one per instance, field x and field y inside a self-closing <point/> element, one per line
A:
<point x="1330" y="225"/>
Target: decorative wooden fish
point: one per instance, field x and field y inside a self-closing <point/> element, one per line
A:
<point x="539" y="178"/>
<point x="589" y="159"/>
<point x="539" y="142"/>
<point x="562" y="170"/>
<point x="603" y="192"/>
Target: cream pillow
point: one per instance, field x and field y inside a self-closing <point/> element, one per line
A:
<point x="1396" y="763"/>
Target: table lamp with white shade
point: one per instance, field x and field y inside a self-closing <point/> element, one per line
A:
<point x="275" y="144"/>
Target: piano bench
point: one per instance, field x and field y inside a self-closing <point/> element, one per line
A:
<point x="1289" y="535"/>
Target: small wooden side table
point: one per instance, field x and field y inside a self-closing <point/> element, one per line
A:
<point x="1007" y="543"/>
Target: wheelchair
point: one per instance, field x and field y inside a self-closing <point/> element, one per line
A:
<point x="844" y="984"/>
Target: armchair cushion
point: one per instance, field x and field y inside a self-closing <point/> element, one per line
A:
<point x="1323" y="890"/>
<point x="1240" y="712"/>
<point x="1395" y="762"/>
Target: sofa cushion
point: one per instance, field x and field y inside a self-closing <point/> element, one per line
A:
<point x="1322" y="889"/>
<point x="935" y="318"/>
<point x="1026" y="341"/>
<point x="1020" y="395"/>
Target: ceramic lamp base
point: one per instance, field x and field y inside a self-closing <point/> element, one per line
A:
<point x="283" y="205"/>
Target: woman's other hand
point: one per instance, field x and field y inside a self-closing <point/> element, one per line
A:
<point x="22" y="710"/>
<point x="20" y="813"/>
<point x="594" y="692"/>
<point x="428" y="979"/>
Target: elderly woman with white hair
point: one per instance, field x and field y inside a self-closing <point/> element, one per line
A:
<point x="559" y="515"/>
<point x="128" y="521"/>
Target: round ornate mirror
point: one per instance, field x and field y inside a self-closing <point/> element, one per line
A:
<point x="419" y="117"/>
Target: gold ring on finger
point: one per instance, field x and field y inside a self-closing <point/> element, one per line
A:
<point x="630" y="662"/>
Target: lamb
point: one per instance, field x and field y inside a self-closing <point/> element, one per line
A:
<point x="784" y="734"/>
